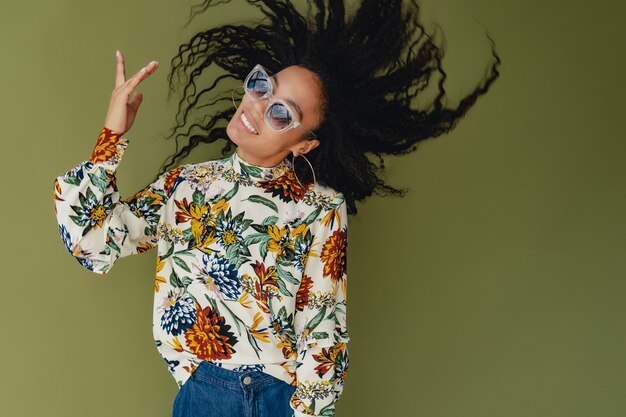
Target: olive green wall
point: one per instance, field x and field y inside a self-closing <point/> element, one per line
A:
<point x="494" y="289"/>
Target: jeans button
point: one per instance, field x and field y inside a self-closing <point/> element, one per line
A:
<point x="247" y="380"/>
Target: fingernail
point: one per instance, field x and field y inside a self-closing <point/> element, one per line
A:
<point x="117" y="53"/>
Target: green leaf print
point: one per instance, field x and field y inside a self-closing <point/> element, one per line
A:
<point x="252" y="171"/>
<point x="311" y="217"/>
<point x="78" y="219"/>
<point x="328" y="411"/>
<point x="263" y="249"/>
<point x="111" y="241"/>
<point x="186" y="281"/>
<point x="285" y="260"/>
<point x="232" y="251"/>
<point x="270" y="220"/>
<point x="100" y="181"/>
<point x="238" y="320"/>
<point x="181" y="263"/>
<point x="264" y="201"/>
<point x="72" y="179"/>
<point x="228" y="195"/>
<point x="283" y="289"/>
<point x="244" y="251"/>
<point x="259" y="228"/>
<point x="286" y="275"/>
<point x="315" y="321"/>
<point x="175" y="281"/>
<point x="198" y="198"/>
<point x="212" y="303"/>
<point x="169" y="252"/>
<point x="89" y="196"/>
<point x="255" y="238"/>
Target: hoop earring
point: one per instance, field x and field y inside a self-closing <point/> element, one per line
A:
<point x="293" y="167"/>
<point x="232" y="96"/>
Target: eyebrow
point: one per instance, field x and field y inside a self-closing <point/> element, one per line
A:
<point x="288" y="100"/>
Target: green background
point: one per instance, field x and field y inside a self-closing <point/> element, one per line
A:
<point x="495" y="288"/>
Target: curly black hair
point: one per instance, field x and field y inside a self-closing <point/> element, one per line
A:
<point x="372" y="66"/>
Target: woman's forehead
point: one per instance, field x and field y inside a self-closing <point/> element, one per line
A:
<point x="299" y="85"/>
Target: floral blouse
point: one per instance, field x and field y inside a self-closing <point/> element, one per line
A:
<point x="250" y="269"/>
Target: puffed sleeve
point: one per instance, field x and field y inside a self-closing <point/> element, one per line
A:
<point x="95" y="224"/>
<point x="320" y="316"/>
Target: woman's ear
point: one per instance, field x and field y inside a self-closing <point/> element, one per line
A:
<point x="305" y="147"/>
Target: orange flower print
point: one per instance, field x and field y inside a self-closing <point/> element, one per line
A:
<point x="106" y="148"/>
<point x="302" y="296"/>
<point x="267" y="277"/>
<point x="170" y="179"/>
<point x="209" y="337"/>
<point x="286" y="187"/>
<point x="325" y="360"/>
<point x="334" y="254"/>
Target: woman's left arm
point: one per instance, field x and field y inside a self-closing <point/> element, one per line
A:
<point x="320" y="317"/>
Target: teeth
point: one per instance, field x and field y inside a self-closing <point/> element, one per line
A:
<point x="248" y="124"/>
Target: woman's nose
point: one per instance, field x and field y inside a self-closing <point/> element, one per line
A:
<point x="258" y="108"/>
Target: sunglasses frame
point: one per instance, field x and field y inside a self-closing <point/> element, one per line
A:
<point x="269" y="95"/>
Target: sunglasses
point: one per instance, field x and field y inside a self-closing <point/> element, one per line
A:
<point x="279" y="115"/>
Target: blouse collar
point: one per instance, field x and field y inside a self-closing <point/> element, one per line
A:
<point x="256" y="171"/>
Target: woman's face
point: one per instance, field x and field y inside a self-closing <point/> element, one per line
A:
<point x="300" y="88"/>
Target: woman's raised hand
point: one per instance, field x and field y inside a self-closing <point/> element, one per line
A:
<point x="122" y="112"/>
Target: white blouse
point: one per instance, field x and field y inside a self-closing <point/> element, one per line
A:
<point x="250" y="271"/>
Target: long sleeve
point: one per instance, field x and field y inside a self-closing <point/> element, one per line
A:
<point x="320" y="317"/>
<point x="95" y="224"/>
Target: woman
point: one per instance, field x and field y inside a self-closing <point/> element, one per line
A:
<point x="251" y="276"/>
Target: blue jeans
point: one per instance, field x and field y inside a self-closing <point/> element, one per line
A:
<point x="212" y="391"/>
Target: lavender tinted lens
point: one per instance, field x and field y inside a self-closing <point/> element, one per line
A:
<point x="279" y="116"/>
<point x="258" y="84"/>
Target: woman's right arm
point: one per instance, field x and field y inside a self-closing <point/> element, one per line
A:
<point x="96" y="225"/>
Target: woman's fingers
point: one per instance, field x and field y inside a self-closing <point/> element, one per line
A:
<point x="120" y="73"/>
<point x="127" y="88"/>
<point x="123" y="108"/>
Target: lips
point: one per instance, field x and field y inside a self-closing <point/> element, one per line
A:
<point x="248" y="123"/>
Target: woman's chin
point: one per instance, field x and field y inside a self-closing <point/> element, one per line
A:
<point x="233" y="133"/>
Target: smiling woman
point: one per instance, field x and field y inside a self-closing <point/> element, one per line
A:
<point x="251" y="279"/>
<point x="272" y="114"/>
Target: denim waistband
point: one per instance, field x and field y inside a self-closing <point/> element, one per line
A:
<point x="231" y="378"/>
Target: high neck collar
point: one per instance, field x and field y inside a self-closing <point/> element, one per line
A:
<point x="256" y="171"/>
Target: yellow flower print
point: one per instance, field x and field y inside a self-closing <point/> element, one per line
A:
<point x="218" y="207"/>
<point x="301" y="230"/>
<point x="196" y="214"/>
<point x="159" y="279"/>
<point x="279" y="240"/>
<point x="144" y="246"/>
<point x="263" y="335"/>
<point x="175" y="344"/>
<point x="329" y="218"/>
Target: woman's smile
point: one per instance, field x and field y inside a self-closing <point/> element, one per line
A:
<point x="243" y="119"/>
